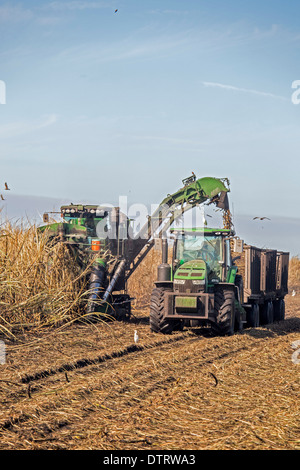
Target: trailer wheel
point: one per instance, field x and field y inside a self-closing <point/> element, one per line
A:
<point x="279" y="310"/>
<point x="158" y="324"/>
<point x="224" y="312"/>
<point x="267" y="313"/>
<point x="253" y="316"/>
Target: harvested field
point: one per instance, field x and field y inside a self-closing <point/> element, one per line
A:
<point x="91" y="387"/>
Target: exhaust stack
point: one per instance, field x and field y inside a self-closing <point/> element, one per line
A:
<point x="164" y="269"/>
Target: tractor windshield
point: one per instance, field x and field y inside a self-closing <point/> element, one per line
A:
<point x="206" y="247"/>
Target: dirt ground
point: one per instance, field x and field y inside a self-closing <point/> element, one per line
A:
<point x="92" y="387"/>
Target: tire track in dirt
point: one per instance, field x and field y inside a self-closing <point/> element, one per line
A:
<point x="90" y="367"/>
<point x="85" y="362"/>
<point x="209" y="351"/>
<point x="115" y="354"/>
<point x="85" y="379"/>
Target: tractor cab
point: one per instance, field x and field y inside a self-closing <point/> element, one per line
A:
<point x="201" y="258"/>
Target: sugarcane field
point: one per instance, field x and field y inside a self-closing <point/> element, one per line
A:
<point x="149" y="230"/>
<point x="72" y="382"/>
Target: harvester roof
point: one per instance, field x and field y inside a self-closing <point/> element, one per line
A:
<point x="80" y="210"/>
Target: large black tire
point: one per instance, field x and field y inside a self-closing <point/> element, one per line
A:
<point x="158" y="324"/>
<point x="224" y="312"/>
<point x="279" y="310"/>
<point x="267" y="313"/>
<point x="253" y="316"/>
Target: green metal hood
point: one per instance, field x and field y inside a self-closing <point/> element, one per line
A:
<point x="191" y="270"/>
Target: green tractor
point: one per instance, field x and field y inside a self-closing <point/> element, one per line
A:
<point x="202" y="285"/>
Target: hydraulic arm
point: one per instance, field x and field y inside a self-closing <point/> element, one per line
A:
<point x="193" y="193"/>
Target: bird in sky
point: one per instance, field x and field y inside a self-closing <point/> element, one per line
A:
<point x="2" y="198"/>
<point x="136" y="336"/>
<point x="116" y="10"/>
<point x="6" y="187"/>
<point x="261" y="218"/>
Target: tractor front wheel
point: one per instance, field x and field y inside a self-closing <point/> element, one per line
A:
<point x="158" y="322"/>
<point x="224" y="312"/>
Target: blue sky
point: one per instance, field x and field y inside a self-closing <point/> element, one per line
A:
<point x="101" y="104"/>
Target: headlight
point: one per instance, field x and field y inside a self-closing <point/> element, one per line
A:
<point x="179" y="281"/>
<point x="199" y="282"/>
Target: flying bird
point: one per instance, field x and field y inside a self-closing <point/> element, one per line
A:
<point x="261" y="218"/>
<point x="6" y="187"/>
<point x="116" y="10"/>
<point x="2" y="198"/>
<point x="136" y="336"/>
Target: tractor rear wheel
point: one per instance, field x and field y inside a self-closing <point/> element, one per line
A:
<point x="158" y="324"/>
<point x="224" y="312"/>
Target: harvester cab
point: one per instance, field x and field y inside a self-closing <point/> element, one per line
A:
<point x="79" y="222"/>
